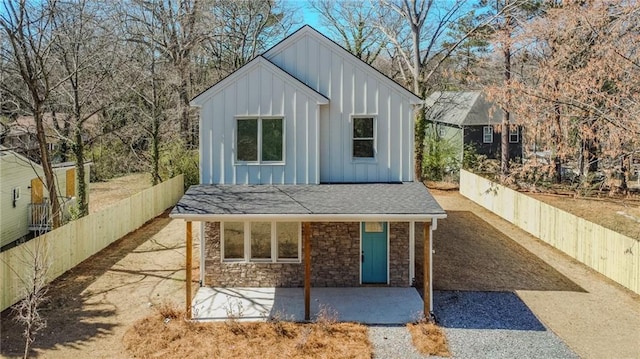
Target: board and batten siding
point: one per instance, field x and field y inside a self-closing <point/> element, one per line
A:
<point x="259" y="90"/>
<point x="354" y="89"/>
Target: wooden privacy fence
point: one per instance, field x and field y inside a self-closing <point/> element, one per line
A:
<point x="608" y="252"/>
<point x="67" y="246"/>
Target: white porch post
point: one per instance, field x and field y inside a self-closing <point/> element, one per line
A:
<point x="189" y="255"/>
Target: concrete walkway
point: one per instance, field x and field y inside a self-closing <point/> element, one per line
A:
<point x="367" y="305"/>
<point x="601" y="321"/>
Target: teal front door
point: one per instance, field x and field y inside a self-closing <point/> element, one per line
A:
<point x="374" y="252"/>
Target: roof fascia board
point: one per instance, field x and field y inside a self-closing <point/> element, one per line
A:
<point x="309" y="30"/>
<point x="308" y="217"/>
<point x="203" y="97"/>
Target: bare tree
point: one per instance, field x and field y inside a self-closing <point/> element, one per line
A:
<point x="35" y="263"/>
<point x="353" y="23"/>
<point x="28" y="29"/>
<point x="515" y="15"/>
<point x="256" y="25"/>
<point x="93" y="70"/>
<point x="417" y="29"/>
<point x="176" y="28"/>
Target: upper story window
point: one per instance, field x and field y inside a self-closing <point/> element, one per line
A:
<point x="487" y="134"/>
<point x="260" y="140"/>
<point x="364" y="140"/>
<point x="514" y="134"/>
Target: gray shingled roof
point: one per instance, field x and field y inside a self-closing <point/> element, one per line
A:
<point x="408" y="198"/>
<point x="462" y="108"/>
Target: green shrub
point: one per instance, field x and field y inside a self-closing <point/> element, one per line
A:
<point x="440" y="158"/>
<point x="176" y="159"/>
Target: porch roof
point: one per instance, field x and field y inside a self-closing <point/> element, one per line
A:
<point x="323" y="202"/>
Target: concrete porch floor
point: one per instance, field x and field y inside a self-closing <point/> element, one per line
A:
<point x="367" y="305"/>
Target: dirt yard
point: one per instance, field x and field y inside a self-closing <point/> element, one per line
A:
<point x="104" y="194"/>
<point x="92" y="306"/>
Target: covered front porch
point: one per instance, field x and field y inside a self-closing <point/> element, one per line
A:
<point x="324" y="213"/>
<point x="367" y="305"/>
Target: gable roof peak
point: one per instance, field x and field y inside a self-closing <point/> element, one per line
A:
<point x="258" y="61"/>
<point x="311" y="31"/>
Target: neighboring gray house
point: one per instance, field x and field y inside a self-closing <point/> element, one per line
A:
<point x="468" y="118"/>
<point x="306" y="172"/>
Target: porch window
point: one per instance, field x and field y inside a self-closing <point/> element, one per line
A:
<point x="260" y="140"/>
<point x="288" y="240"/>
<point x="363" y="137"/>
<point x="514" y="134"/>
<point x="260" y="241"/>
<point x="233" y="241"/>
<point x="487" y="134"/>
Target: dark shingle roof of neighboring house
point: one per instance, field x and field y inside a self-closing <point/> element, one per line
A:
<point x="307" y="201"/>
<point x="469" y="108"/>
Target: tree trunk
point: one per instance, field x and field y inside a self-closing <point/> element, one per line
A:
<point x="557" y="160"/>
<point x="185" y="121"/>
<point x="47" y="168"/>
<point x="419" y="137"/>
<point x="78" y="150"/>
<point x="419" y="134"/>
<point x="504" y="143"/>
<point x="155" y="126"/>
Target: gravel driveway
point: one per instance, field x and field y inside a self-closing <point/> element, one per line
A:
<point x="478" y="325"/>
<point x="494" y="325"/>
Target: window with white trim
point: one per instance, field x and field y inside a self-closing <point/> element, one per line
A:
<point x="442" y="130"/>
<point x="363" y="137"/>
<point x="260" y="241"/>
<point x="487" y="134"/>
<point x="260" y="140"/>
<point x="514" y="134"/>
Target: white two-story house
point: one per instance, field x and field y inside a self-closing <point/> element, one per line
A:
<point x="306" y="175"/>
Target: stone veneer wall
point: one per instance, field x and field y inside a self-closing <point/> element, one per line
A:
<point x="335" y="259"/>
<point x="399" y="254"/>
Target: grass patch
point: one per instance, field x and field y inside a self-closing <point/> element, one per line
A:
<point x="429" y="338"/>
<point x="166" y="334"/>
